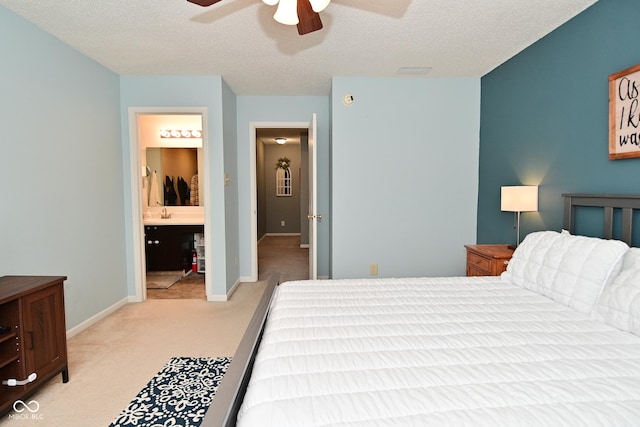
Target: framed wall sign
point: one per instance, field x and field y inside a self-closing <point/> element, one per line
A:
<point x="624" y="114"/>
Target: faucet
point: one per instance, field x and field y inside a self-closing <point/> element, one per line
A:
<point x="164" y="214"/>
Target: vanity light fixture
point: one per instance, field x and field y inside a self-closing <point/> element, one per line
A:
<point x="186" y="133"/>
<point x="281" y="140"/>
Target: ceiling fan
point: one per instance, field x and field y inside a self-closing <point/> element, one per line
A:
<point x="302" y="13"/>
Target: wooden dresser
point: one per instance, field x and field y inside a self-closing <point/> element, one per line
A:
<point x="33" y="340"/>
<point x="487" y="260"/>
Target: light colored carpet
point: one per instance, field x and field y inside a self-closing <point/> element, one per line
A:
<point x="110" y="362"/>
<point x="163" y="279"/>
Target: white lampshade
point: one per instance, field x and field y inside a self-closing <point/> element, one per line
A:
<point x="519" y="198"/>
<point x="287" y="12"/>
<point x="319" y="5"/>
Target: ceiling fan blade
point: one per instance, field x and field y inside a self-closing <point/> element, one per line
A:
<point x="309" y="21"/>
<point x="204" y="3"/>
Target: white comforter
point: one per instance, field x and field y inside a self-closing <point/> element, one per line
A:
<point x="437" y="352"/>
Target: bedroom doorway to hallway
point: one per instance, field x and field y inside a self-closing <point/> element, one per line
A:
<point x="284" y="220"/>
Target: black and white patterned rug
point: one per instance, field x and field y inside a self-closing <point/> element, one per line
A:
<point x="179" y="395"/>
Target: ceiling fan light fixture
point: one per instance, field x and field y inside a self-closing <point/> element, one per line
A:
<point x="319" y="5"/>
<point x="270" y="2"/>
<point x="287" y="12"/>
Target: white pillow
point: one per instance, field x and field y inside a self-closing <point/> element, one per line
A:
<point x="569" y="269"/>
<point x="619" y="304"/>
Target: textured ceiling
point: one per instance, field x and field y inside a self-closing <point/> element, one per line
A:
<point x="239" y="40"/>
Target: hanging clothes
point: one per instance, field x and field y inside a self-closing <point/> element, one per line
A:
<point x="183" y="191"/>
<point x="154" y="190"/>
<point x="170" y="195"/>
<point x="194" y="196"/>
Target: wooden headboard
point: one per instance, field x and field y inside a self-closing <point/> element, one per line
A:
<point x="609" y="202"/>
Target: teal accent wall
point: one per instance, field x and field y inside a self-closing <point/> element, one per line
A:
<point x="404" y="172"/>
<point x="544" y="119"/>
<point x="60" y="168"/>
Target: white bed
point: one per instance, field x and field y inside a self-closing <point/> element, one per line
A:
<point x="552" y="342"/>
<point x="438" y="352"/>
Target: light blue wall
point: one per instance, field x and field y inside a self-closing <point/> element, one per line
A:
<point x="190" y="91"/>
<point x="545" y="119"/>
<point x="60" y="168"/>
<point x="404" y="175"/>
<point x="282" y="109"/>
<point x="231" y="188"/>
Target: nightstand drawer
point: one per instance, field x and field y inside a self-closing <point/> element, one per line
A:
<point x="476" y="260"/>
<point x="487" y="260"/>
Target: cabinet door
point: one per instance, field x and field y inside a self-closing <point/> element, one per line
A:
<point x="44" y="335"/>
<point x="169" y="255"/>
<point x="151" y="242"/>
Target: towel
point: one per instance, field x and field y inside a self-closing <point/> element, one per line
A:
<point x="154" y="191"/>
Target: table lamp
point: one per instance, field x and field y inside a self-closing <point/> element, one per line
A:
<point x="519" y="198"/>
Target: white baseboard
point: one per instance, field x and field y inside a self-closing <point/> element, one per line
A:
<point x="223" y="298"/>
<point x="304" y="246"/>
<point x="282" y="234"/>
<point x="95" y="319"/>
<point x="233" y="288"/>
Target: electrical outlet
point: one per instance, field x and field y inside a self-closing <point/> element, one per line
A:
<point x="281" y="223"/>
<point x="373" y="269"/>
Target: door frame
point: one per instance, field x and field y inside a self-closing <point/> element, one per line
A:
<point x="137" y="223"/>
<point x="253" y="127"/>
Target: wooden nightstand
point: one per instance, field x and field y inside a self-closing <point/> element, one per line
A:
<point x="487" y="260"/>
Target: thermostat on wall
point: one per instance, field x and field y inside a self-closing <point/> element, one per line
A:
<point x="348" y="100"/>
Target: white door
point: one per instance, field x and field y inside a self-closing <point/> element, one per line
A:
<point x="313" y="201"/>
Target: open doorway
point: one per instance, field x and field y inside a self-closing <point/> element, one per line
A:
<point x="282" y="199"/>
<point x="168" y="158"/>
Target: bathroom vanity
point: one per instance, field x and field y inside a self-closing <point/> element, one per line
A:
<point x="170" y="236"/>
<point x="170" y="247"/>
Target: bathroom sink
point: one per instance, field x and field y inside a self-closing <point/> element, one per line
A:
<point x="174" y="215"/>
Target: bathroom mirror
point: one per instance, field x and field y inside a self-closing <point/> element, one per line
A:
<point x="175" y="171"/>
<point x="171" y="152"/>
